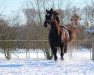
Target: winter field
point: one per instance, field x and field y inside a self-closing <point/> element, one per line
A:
<point x="77" y="63"/>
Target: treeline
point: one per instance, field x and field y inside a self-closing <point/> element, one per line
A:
<point x="22" y="37"/>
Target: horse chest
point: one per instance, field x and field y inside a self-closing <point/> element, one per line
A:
<point x="54" y="38"/>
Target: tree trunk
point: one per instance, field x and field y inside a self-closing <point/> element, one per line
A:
<point x="7" y="54"/>
<point x="48" y="54"/>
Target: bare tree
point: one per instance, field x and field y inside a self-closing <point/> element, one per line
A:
<point x="6" y="33"/>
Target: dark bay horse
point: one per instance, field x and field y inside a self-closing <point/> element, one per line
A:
<point x="58" y="36"/>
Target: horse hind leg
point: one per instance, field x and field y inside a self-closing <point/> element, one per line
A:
<point x="65" y="49"/>
<point x="62" y="52"/>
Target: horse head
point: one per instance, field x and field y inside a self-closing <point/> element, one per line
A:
<point x="50" y="16"/>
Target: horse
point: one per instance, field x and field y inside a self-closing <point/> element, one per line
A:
<point x="58" y="35"/>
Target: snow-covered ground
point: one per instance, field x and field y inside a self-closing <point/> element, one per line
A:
<point x="79" y="63"/>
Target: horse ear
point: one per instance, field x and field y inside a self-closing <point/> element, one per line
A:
<point x="46" y="10"/>
<point x="52" y="9"/>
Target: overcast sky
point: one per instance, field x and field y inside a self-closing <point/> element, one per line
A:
<point x="10" y="7"/>
<point x="7" y="6"/>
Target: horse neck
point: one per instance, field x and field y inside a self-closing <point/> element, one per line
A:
<point x="55" y="25"/>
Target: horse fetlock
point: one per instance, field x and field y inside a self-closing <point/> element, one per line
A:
<point x="61" y="58"/>
<point x="55" y="58"/>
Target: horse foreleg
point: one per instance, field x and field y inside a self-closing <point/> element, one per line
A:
<point x="54" y="51"/>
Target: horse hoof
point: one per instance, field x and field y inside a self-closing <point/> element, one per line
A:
<point x="61" y="59"/>
<point x="55" y="59"/>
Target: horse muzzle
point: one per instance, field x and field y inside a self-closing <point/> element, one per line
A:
<point x="45" y="24"/>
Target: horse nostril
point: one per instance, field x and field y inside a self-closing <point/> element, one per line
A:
<point x="45" y="26"/>
<point x="49" y="22"/>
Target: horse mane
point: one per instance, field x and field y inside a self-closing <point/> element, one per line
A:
<point x="55" y="13"/>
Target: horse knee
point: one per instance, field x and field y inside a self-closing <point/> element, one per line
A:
<point x="54" y="50"/>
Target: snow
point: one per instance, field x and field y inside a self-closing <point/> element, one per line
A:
<point x="79" y="63"/>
